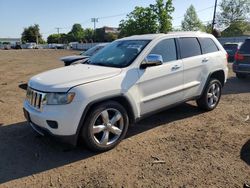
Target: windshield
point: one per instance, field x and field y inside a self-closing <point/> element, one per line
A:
<point x="119" y="53"/>
<point x="92" y="51"/>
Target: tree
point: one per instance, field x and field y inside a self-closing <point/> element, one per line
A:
<point x="53" y="38"/>
<point x="233" y="11"/>
<point x="191" y="21"/>
<point x="57" y="38"/>
<point x="152" y="19"/>
<point x="89" y="34"/>
<point x="237" y="28"/>
<point x="163" y="12"/>
<point x="139" y="21"/>
<point x="76" y="33"/>
<point x="32" y="34"/>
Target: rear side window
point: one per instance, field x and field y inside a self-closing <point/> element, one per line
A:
<point x="208" y="45"/>
<point x="167" y="49"/>
<point x="245" y="48"/>
<point x="189" y="47"/>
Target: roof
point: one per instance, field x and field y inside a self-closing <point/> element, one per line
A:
<point x="159" y="35"/>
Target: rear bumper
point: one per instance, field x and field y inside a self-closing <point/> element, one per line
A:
<point x="241" y="68"/>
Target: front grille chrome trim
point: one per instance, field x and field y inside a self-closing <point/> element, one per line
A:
<point x="35" y="98"/>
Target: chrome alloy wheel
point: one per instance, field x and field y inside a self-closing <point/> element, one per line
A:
<point x="108" y="127"/>
<point x="213" y="95"/>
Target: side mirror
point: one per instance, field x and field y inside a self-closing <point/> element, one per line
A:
<point x="152" y="60"/>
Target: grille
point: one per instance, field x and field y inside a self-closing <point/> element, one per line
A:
<point x="35" y="98"/>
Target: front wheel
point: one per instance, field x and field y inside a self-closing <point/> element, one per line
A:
<point x="105" y="126"/>
<point x="211" y="96"/>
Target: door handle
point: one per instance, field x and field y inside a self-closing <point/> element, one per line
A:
<point x="176" y="67"/>
<point x="205" y="60"/>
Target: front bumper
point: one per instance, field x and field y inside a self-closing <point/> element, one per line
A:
<point x="67" y="116"/>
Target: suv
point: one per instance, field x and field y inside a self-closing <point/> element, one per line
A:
<point x="127" y="80"/>
<point x="241" y="64"/>
<point x="231" y="49"/>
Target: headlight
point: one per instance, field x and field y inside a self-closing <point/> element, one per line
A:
<point x="59" y="98"/>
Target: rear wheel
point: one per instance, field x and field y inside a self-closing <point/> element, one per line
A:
<point x="241" y="75"/>
<point x="211" y="96"/>
<point x="105" y="126"/>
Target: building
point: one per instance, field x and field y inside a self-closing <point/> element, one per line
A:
<point x="10" y="40"/>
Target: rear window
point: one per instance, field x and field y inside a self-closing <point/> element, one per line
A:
<point x="208" y="45"/>
<point x="245" y="48"/>
<point x="189" y="47"/>
<point x="230" y="46"/>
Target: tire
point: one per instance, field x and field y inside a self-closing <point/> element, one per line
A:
<point x="112" y="120"/>
<point x="241" y="76"/>
<point x="211" y="95"/>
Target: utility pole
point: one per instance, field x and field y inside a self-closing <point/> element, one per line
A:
<point x="58" y="32"/>
<point x="95" y="20"/>
<point x="213" y="23"/>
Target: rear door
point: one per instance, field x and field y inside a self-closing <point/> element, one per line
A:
<point x="160" y="86"/>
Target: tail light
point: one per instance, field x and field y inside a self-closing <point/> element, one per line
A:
<point x="238" y="56"/>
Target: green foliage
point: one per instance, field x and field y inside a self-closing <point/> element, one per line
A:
<point x="58" y="38"/>
<point x="139" y="21"/>
<point x="32" y="34"/>
<point x="163" y="12"/>
<point x="233" y="11"/>
<point x="53" y="38"/>
<point x="237" y="28"/>
<point x="191" y="21"/>
<point x="76" y="33"/>
<point x="89" y="34"/>
<point x="152" y="19"/>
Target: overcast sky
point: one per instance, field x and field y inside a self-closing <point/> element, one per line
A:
<point x="49" y="14"/>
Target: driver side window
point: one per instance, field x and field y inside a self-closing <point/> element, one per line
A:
<point x="167" y="49"/>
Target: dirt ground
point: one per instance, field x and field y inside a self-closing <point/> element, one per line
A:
<point x="196" y="149"/>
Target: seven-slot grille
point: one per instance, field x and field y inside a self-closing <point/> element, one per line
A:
<point x="35" y="98"/>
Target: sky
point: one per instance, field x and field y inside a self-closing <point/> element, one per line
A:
<point x="15" y="15"/>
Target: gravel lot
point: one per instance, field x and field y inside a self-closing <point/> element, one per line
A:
<point x="195" y="149"/>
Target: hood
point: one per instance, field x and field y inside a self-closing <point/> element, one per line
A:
<point x="62" y="79"/>
<point x="73" y="58"/>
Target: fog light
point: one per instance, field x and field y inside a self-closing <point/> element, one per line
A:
<point x="52" y="124"/>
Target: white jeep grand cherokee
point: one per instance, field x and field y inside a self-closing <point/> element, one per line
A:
<point x="127" y="80"/>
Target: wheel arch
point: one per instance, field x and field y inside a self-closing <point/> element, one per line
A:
<point x="121" y="99"/>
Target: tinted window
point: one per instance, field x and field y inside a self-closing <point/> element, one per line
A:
<point x="167" y="49"/>
<point x="245" y="48"/>
<point x="208" y="45"/>
<point x="189" y="47"/>
<point x="230" y="46"/>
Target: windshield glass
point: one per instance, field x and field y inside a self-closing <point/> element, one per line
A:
<point x="91" y="51"/>
<point x="119" y="53"/>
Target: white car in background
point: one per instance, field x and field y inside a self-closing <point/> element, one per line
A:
<point x="68" y="60"/>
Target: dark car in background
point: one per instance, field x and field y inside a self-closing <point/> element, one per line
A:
<point x="231" y="49"/>
<point x="241" y="64"/>
<point x="68" y="60"/>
